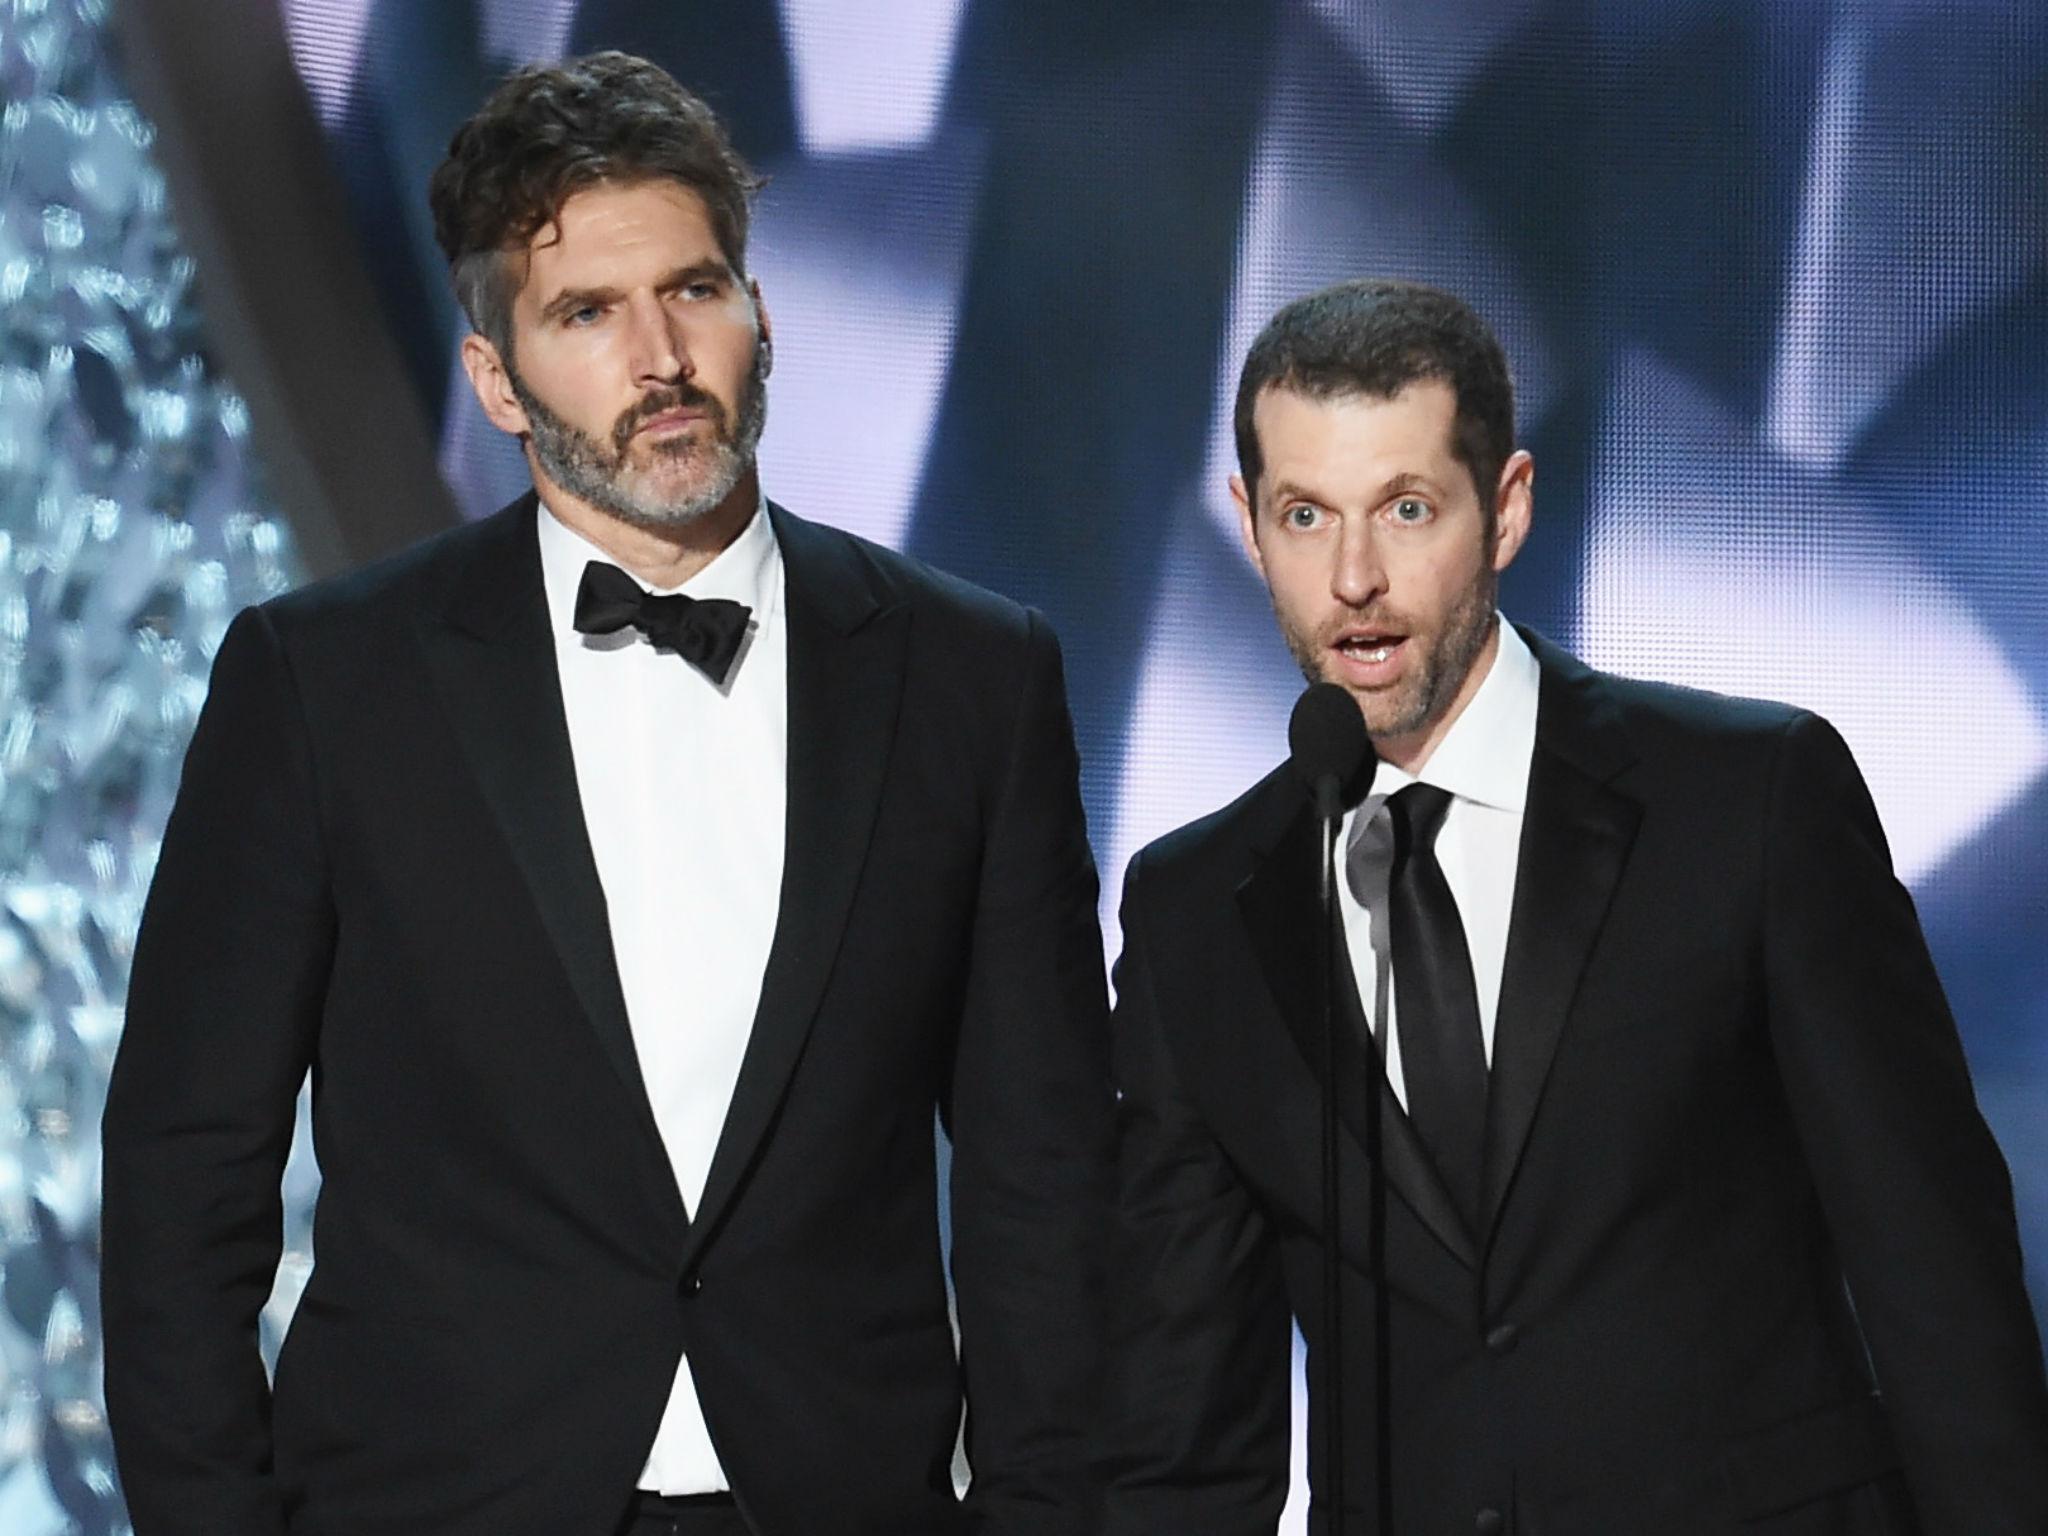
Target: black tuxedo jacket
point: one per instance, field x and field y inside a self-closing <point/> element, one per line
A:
<point x="377" y="868"/>
<point x="1731" y="1142"/>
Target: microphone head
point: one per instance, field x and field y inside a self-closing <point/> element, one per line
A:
<point x="1329" y="747"/>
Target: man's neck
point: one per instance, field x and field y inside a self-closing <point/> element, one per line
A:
<point x="1409" y="753"/>
<point x="663" y="558"/>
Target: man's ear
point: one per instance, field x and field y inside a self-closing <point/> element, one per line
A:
<point x="492" y="382"/>
<point x="1514" y="502"/>
<point x="1248" y="524"/>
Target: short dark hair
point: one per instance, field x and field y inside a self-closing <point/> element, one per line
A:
<point x="1375" y="336"/>
<point x="551" y="130"/>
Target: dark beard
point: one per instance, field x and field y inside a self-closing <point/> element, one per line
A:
<point x="1441" y="674"/>
<point x="601" y="473"/>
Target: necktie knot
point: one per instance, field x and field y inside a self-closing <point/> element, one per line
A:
<point x="707" y="632"/>
<point x="1418" y="813"/>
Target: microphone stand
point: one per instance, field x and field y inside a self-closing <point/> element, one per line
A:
<point x="1329" y="947"/>
<point x="1330" y="746"/>
<point x="1330" y="812"/>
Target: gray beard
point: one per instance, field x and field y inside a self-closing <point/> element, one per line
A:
<point x="604" y="476"/>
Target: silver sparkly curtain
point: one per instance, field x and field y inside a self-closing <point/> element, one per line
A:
<point x="132" y="526"/>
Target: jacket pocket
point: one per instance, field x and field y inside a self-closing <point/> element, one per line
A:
<point x="1828" y="1451"/>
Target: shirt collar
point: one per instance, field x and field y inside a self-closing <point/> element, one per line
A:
<point x="1484" y="756"/>
<point x="748" y="570"/>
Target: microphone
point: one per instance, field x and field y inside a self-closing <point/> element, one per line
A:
<point x="1331" y="750"/>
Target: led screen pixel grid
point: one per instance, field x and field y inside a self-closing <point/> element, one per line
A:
<point x="1772" y="277"/>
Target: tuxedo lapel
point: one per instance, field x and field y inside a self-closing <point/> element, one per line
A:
<point x="846" y="664"/>
<point x="1277" y="903"/>
<point x="1576" y="834"/>
<point x="493" y="656"/>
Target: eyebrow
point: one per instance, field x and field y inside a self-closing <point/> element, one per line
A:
<point x="569" y="300"/>
<point x="1397" y="485"/>
<point x="1401" y="484"/>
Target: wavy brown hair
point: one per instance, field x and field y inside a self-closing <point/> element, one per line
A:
<point x="548" y="132"/>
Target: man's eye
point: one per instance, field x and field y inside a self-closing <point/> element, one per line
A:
<point x="582" y="315"/>
<point x="1410" y="509"/>
<point x="1299" y="516"/>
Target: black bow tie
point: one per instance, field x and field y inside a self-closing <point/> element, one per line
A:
<point x="704" y="631"/>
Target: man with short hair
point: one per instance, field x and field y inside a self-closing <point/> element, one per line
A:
<point x="637" y="871"/>
<point x="1691" y="1222"/>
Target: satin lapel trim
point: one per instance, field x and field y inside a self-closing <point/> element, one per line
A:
<point x="494" y="659"/>
<point x="1277" y="903"/>
<point x="844" y="692"/>
<point x="1576" y="836"/>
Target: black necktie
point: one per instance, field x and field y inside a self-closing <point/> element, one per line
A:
<point x="1443" y="1059"/>
<point x="704" y="631"/>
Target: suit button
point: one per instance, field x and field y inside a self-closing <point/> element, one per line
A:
<point x="1502" y="1340"/>
<point x="1490" y="1522"/>
<point x="690" y="1284"/>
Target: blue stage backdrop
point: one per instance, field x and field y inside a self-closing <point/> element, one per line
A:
<point x="1774" y="278"/>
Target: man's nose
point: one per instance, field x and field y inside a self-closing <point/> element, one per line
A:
<point x="1359" y="574"/>
<point x="659" y="355"/>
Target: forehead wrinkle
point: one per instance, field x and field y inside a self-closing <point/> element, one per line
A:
<point x="1359" y="437"/>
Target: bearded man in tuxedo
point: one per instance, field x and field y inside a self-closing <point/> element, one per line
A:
<point x="636" y="871"/>
<point x="1691" y="1222"/>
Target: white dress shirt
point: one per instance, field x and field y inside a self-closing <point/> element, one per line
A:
<point x="682" y="785"/>
<point x="1483" y="761"/>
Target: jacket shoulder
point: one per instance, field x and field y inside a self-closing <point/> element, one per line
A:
<point x="1696" y="714"/>
<point x="1218" y="847"/>
<point x="894" y="577"/>
<point x="1687" y="728"/>
<point x="1721" y="748"/>
<point x="398" y="583"/>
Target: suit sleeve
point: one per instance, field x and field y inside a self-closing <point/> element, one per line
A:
<point x="1196" y="1415"/>
<point x="1914" y="1189"/>
<point x="230" y="968"/>
<point x="1029" y="1112"/>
